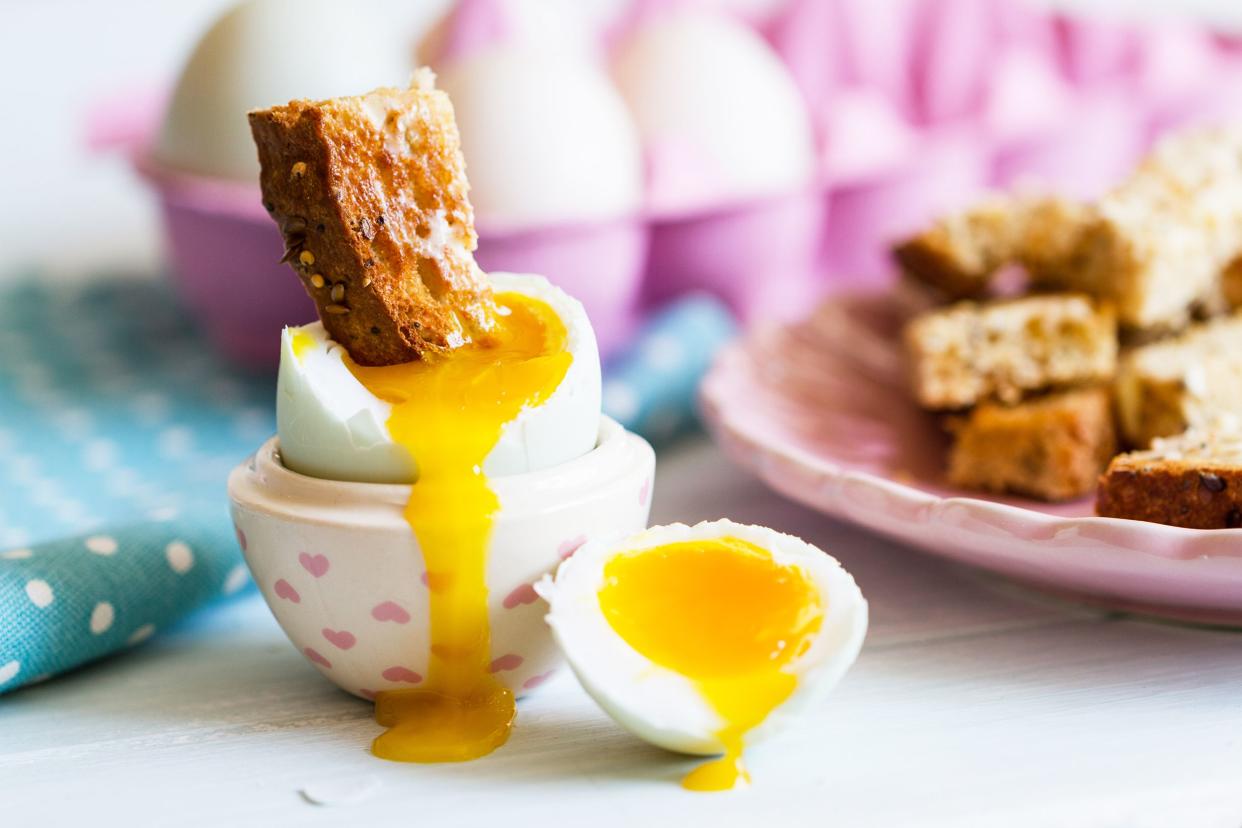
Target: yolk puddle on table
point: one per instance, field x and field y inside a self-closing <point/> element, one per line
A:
<point x="449" y="412"/>
<point x="725" y="615"/>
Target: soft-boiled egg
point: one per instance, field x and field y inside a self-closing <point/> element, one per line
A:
<point x="524" y="396"/>
<point x="333" y="426"/>
<point x="704" y="639"/>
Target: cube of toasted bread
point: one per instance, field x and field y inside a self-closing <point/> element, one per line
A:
<point x="370" y="194"/>
<point x="961" y="252"/>
<point x="1192" y="480"/>
<point x="971" y="352"/>
<point x="1050" y="242"/>
<point x="1161" y="239"/>
<point x="1155" y="246"/>
<point x="1167" y="387"/>
<point x="1052" y="447"/>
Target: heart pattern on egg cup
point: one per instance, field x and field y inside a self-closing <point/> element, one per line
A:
<point x="284" y="589"/>
<point x="508" y="661"/>
<point x="402" y="674"/>
<point x="341" y="639"/>
<point x="316" y="565"/>
<point x="390" y="611"/>
<point x="523" y="594"/>
<point x="353" y="569"/>
<point x="317" y="657"/>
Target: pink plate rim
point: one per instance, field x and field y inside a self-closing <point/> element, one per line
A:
<point x="1188" y="574"/>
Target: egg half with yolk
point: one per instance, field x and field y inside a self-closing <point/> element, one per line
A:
<point x="332" y="426"/>
<point x="705" y="639"/>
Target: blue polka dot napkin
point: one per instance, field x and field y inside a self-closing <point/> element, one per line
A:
<point x="651" y="386"/>
<point x="118" y="428"/>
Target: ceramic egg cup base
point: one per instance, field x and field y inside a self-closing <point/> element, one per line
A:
<point x="343" y="574"/>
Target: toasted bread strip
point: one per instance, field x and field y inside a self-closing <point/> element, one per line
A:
<point x="1192" y="480"/>
<point x="370" y="194"/>
<point x="1161" y="239"/>
<point x="1167" y="387"/>
<point x="971" y="352"/>
<point x="961" y="252"/>
<point x="1155" y="246"/>
<point x="1052" y="447"/>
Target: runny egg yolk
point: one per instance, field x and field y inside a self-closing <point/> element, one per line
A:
<point x="449" y="413"/>
<point x="302" y="342"/>
<point x="724" y="614"/>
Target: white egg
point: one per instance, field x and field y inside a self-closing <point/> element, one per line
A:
<point x="473" y="26"/>
<point x="332" y="427"/>
<point x="662" y="706"/>
<point x="719" y="114"/>
<point x="262" y="53"/>
<point x="546" y="138"/>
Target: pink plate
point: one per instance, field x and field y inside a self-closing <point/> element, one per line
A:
<point x="819" y="411"/>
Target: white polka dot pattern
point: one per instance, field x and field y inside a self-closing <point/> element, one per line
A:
<point x="118" y="425"/>
<point x="102" y="617"/>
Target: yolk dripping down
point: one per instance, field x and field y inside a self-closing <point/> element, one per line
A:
<point x="449" y="413"/>
<point x="725" y="615"/>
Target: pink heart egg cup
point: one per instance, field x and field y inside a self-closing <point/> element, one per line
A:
<point x="343" y="573"/>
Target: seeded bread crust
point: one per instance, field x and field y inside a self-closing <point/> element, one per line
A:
<point x="1194" y="480"/>
<point x="1052" y="448"/>
<point x="371" y="197"/>
<point x="976" y="352"/>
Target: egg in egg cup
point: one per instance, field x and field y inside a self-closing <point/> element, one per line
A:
<point x="440" y="438"/>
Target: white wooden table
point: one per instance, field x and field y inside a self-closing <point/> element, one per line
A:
<point x="974" y="703"/>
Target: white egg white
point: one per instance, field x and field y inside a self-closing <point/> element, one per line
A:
<point x="332" y="427"/>
<point x="662" y="706"/>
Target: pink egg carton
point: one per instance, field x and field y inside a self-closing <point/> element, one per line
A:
<point x="918" y="106"/>
<point x="224" y="251"/>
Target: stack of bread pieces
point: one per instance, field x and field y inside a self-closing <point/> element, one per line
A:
<point x="1127" y="333"/>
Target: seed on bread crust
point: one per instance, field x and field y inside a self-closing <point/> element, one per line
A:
<point x="1192" y="480"/>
